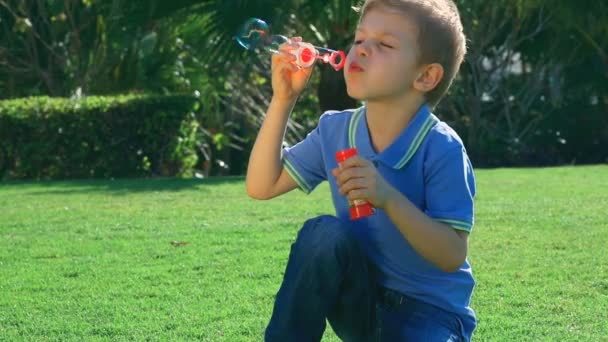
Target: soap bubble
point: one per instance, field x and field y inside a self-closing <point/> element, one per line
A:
<point x="253" y="34"/>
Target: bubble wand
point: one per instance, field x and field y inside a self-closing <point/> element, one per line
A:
<point x="256" y="34"/>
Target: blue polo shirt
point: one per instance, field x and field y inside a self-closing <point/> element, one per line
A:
<point x="427" y="162"/>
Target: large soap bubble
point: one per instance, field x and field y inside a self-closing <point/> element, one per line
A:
<point x="253" y="34"/>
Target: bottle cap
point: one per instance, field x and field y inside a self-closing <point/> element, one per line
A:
<point x="345" y="154"/>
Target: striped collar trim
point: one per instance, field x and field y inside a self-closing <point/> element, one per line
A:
<point x="395" y="156"/>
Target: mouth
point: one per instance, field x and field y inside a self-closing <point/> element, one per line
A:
<point x="355" y="67"/>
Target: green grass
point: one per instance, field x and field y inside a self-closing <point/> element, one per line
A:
<point x="182" y="259"/>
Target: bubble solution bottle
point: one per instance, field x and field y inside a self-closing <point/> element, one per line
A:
<point x="358" y="208"/>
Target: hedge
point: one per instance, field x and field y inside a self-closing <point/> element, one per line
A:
<point x="95" y="137"/>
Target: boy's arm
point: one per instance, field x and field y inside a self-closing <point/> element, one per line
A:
<point x="437" y="242"/>
<point x="266" y="176"/>
<point x="439" y="235"/>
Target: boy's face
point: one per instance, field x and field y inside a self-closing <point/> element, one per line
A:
<point x="382" y="61"/>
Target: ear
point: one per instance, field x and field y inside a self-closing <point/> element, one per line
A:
<point x="428" y="77"/>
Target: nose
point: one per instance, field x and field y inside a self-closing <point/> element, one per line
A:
<point x="361" y="50"/>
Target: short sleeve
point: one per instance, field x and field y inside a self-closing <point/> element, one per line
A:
<point x="304" y="162"/>
<point x="450" y="190"/>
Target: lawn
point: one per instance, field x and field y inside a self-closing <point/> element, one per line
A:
<point x="170" y="259"/>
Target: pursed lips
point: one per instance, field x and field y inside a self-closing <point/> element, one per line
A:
<point x="355" y="67"/>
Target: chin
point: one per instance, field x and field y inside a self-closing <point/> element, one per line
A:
<point x="357" y="95"/>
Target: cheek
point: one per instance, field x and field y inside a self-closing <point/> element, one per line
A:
<point x="399" y="67"/>
<point x="391" y="68"/>
<point x="350" y="55"/>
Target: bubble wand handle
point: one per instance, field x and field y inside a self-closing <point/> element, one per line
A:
<point x="307" y="54"/>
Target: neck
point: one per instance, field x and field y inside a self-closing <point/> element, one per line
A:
<point x="387" y="119"/>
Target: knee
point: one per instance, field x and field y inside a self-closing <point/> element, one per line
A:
<point x="325" y="236"/>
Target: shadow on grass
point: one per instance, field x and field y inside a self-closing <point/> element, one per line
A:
<point x="120" y="186"/>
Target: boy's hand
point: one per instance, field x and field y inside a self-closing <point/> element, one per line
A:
<point x="359" y="180"/>
<point x="288" y="80"/>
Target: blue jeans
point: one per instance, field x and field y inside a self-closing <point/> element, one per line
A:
<point x="329" y="277"/>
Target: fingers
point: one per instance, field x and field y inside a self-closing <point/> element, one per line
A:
<point x="288" y="50"/>
<point x="343" y="175"/>
<point x="355" y="161"/>
<point x="290" y="46"/>
<point x="284" y="61"/>
<point x="358" y="179"/>
<point x="307" y="71"/>
<point x="354" y="173"/>
<point x="284" y="54"/>
<point x="354" y="184"/>
<point x="354" y="178"/>
<point x="358" y="194"/>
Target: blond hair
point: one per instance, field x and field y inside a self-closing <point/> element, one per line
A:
<point x="440" y="36"/>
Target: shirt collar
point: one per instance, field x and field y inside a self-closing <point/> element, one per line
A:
<point x="399" y="153"/>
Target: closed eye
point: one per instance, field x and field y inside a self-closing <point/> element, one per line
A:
<point x="386" y="45"/>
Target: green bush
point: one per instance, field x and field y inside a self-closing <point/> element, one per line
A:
<point x="121" y="136"/>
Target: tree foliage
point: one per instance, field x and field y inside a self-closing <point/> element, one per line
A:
<point x="532" y="90"/>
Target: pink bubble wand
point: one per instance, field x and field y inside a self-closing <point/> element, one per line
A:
<point x="255" y="34"/>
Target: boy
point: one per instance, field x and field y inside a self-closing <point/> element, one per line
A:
<point x="400" y="274"/>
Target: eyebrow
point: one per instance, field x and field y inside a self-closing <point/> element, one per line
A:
<point x="381" y="33"/>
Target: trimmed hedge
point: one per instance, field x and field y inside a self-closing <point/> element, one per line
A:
<point x="94" y="137"/>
